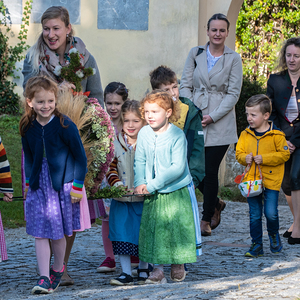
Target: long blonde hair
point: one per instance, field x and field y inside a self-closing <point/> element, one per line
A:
<point x="37" y="50"/>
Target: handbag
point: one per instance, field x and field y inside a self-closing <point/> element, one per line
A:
<point x="250" y="188"/>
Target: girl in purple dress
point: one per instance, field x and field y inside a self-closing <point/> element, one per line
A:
<point x="55" y="168"/>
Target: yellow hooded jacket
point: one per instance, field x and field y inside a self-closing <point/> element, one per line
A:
<point x="274" y="150"/>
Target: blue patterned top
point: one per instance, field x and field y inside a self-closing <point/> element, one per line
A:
<point x="211" y="60"/>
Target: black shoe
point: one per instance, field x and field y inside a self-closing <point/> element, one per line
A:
<point x="287" y="234"/>
<point x="141" y="280"/>
<point x="186" y="269"/>
<point x="293" y="241"/>
<point x="123" y="279"/>
<point x="134" y="272"/>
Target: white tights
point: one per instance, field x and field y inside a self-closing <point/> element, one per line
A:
<point x="42" y="250"/>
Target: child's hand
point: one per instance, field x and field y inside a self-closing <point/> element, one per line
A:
<point x="145" y="191"/>
<point x="140" y="189"/>
<point x="249" y="158"/>
<point x="258" y="159"/>
<point x="76" y="192"/>
<point x="75" y="199"/>
<point x="7" y="197"/>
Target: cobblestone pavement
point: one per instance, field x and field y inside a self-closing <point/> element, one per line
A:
<point x="222" y="272"/>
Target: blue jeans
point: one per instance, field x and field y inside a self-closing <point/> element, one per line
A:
<point x="271" y="214"/>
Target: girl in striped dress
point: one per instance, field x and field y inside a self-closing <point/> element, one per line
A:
<point x="125" y="217"/>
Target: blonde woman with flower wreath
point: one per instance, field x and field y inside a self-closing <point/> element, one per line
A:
<point x="52" y="51"/>
<point x="48" y="56"/>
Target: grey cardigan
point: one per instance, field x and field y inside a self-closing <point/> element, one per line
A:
<point x="92" y="83"/>
<point x="215" y="93"/>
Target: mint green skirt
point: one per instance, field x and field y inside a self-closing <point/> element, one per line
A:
<point x="167" y="232"/>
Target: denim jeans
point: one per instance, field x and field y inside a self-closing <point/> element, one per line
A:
<point x="271" y="213"/>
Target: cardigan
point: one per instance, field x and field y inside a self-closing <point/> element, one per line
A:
<point x="272" y="147"/>
<point x="121" y="169"/>
<point x="279" y="89"/>
<point x="5" y="175"/>
<point x="215" y="93"/>
<point x="64" y="152"/>
<point x="161" y="160"/>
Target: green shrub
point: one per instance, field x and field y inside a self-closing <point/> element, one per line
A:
<point x="9" y="100"/>
<point x="9" y="55"/>
<point x="249" y="88"/>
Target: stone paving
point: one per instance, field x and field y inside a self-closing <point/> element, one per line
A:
<point x="222" y="272"/>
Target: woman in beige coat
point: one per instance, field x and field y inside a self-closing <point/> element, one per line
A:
<point x="212" y="79"/>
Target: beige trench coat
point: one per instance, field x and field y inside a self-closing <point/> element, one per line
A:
<point x="215" y="93"/>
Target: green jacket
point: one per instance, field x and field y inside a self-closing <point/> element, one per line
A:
<point x="194" y="134"/>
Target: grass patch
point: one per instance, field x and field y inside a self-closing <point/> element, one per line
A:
<point x="12" y="213"/>
<point x="225" y="193"/>
<point x="231" y="193"/>
<point x="199" y="195"/>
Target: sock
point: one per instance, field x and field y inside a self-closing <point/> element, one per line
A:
<point x="107" y="244"/>
<point x="161" y="267"/>
<point x="143" y="265"/>
<point x="125" y="263"/>
<point x="42" y="250"/>
<point x="58" y="249"/>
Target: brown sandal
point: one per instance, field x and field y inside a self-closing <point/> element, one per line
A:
<point x="177" y="272"/>
<point x="156" y="277"/>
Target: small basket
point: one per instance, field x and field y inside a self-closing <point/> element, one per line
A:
<point x="251" y="188"/>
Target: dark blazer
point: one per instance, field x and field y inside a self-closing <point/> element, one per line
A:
<point x="279" y="89"/>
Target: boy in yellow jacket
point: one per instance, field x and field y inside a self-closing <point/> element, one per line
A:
<point x="264" y="145"/>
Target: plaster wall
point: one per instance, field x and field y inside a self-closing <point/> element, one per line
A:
<point x="129" y="55"/>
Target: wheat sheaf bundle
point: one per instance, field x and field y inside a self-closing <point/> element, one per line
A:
<point x="74" y="107"/>
<point x="97" y="135"/>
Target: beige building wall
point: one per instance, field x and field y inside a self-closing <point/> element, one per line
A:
<point x="174" y="27"/>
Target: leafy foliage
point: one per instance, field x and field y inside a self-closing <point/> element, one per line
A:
<point x="250" y="87"/>
<point x="9" y="55"/>
<point x="261" y="28"/>
<point x="75" y="71"/>
<point x="111" y="192"/>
